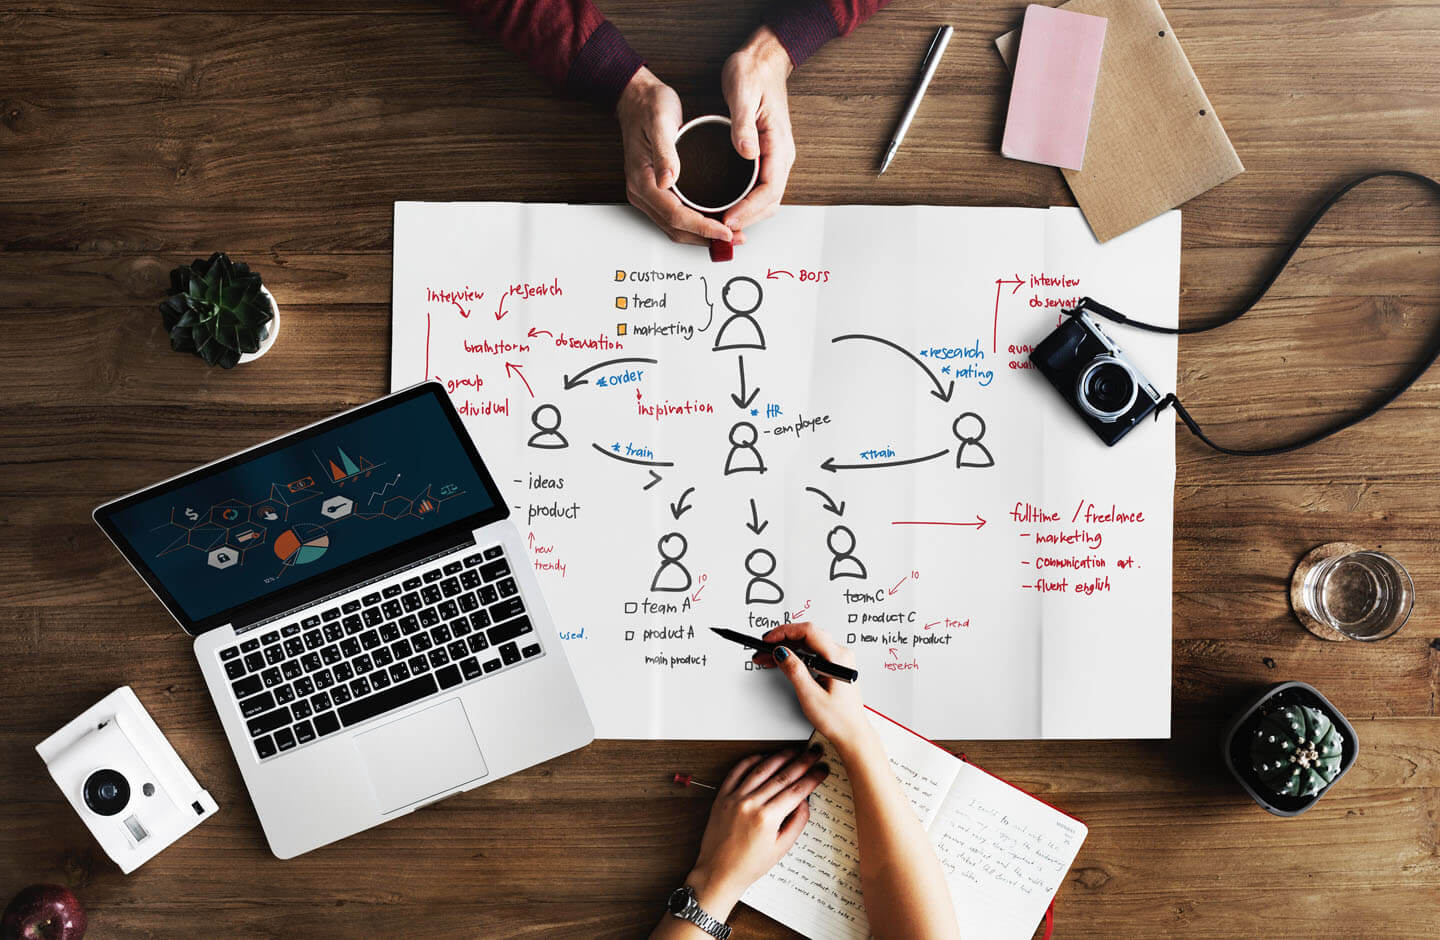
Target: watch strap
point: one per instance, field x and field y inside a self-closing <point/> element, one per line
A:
<point x="698" y="916"/>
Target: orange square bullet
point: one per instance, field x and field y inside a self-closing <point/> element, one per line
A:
<point x="621" y="303"/>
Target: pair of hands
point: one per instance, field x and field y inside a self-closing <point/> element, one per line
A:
<point x="762" y="806"/>
<point x="649" y="111"/>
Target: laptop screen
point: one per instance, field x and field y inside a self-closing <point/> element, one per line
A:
<point x="272" y="521"/>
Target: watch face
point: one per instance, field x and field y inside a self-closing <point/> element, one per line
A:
<point x="679" y="900"/>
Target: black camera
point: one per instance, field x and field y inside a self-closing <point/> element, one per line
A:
<point x="1093" y="375"/>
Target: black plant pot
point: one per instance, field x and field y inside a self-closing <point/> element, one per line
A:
<point x="1235" y="745"/>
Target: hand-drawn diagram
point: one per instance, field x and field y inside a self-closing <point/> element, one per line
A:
<point x="672" y="575"/>
<point x="547" y="436"/>
<point x="843" y="563"/>
<point x="740" y="330"/>
<point x="760" y="589"/>
<point x="841" y="426"/>
<point x="969" y="428"/>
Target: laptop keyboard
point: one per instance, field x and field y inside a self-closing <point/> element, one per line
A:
<point x="435" y="630"/>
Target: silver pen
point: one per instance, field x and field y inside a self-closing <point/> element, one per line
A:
<point x="927" y="72"/>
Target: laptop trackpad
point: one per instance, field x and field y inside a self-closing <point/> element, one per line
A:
<point x="421" y="755"/>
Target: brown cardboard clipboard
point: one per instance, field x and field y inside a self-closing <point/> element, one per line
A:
<point x="1155" y="140"/>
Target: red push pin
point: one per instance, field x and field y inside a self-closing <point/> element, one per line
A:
<point x="688" y="780"/>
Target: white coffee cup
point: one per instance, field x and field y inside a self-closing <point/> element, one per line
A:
<point x="754" y="174"/>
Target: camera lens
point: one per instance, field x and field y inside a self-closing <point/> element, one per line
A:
<point x="107" y="792"/>
<point x="1106" y="388"/>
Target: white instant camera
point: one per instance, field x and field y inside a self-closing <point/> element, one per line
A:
<point x="125" y="780"/>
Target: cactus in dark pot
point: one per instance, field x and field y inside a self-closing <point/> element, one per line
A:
<point x="1296" y="750"/>
<point x="218" y="310"/>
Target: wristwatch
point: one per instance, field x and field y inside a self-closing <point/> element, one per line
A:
<point x="683" y="905"/>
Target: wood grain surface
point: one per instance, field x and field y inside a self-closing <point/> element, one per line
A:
<point x="137" y="135"/>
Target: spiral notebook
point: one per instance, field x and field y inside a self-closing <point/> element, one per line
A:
<point x="1004" y="852"/>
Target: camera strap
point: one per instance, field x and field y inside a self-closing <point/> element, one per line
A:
<point x="1367" y="412"/>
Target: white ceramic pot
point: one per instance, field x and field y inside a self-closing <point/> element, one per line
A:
<point x="272" y="331"/>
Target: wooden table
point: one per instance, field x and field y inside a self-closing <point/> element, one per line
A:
<point x="133" y="138"/>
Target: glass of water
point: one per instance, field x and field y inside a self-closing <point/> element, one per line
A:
<point x="1357" y="593"/>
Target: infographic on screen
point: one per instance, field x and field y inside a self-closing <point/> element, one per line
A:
<point x="263" y="525"/>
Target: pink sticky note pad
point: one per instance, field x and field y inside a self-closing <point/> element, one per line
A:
<point x="1054" y="87"/>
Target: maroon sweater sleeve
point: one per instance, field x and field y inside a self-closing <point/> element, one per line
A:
<point x="568" y="42"/>
<point x="803" y="26"/>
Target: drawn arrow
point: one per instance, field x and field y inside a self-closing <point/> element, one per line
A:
<point x="829" y="503"/>
<point x="774" y="274"/>
<point x="979" y="523"/>
<point x="832" y="466"/>
<point x="463" y="311"/>
<point x="755" y="525"/>
<point x="742" y="400"/>
<point x="532" y="541"/>
<point x="695" y="598"/>
<point x="511" y="365"/>
<point x="897" y="585"/>
<point x="995" y="328"/>
<point x="654" y="478"/>
<point x="534" y="333"/>
<point x="500" y="310"/>
<point x="635" y="460"/>
<point x="941" y="392"/>
<point x="678" y="509"/>
<point x="578" y="378"/>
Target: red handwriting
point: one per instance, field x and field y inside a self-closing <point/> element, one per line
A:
<point x="498" y="348"/>
<point x="463" y="382"/>
<point x="525" y="291"/>
<point x="670" y="409"/>
<point x="466" y="293"/>
<point x="948" y="623"/>
<point x="1059" y="280"/>
<point x="695" y="598"/>
<point x="598" y="341"/>
<point x="490" y="407"/>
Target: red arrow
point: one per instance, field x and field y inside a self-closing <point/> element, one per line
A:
<point x="936" y="623"/>
<point x="898" y="583"/>
<point x="534" y="333"/>
<point x="532" y="540"/>
<point x="463" y="311"/>
<point x="511" y="365"/>
<point x="893" y="654"/>
<point x="501" y="311"/>
<point x="995" y="334"/>
<point x="695" y="598"/>
<point x="772" y="274"/>
<point x="979" y="523"/>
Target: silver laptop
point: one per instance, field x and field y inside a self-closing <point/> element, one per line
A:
<point x="365" y="615"/>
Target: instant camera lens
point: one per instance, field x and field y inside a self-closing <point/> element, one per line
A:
<point x="1106" y="388"/>
<point x="107" y="792"/>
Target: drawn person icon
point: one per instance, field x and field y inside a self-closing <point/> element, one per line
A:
<point x="740" y="330"/>
<point x="547" y="434"/>
<point x="760" y="564"/>
<point x="671" y="575"/>
<point x="969" y="428"/>
<point x="843" y="563"/>
<point x="743" y="457"/>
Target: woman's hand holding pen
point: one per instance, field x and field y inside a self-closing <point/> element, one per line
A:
<point x="833" y="707"/>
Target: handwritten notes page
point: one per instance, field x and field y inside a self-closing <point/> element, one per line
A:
<point x="841" y="425"/>
<point x="1004" y="852"/>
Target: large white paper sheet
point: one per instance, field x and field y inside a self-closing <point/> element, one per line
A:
<point x="838" y="426"/>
